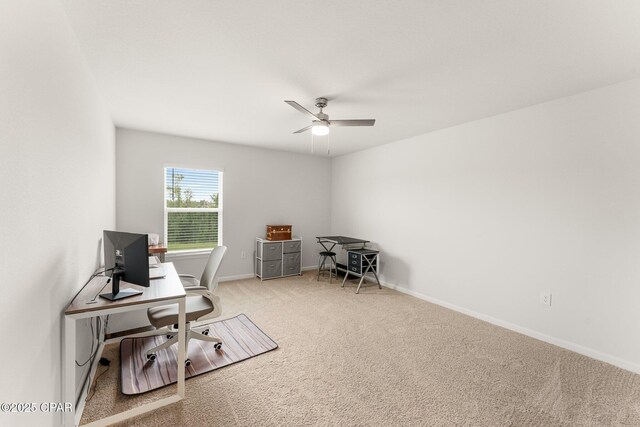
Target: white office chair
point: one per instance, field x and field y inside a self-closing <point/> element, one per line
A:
<point x="201" y="304"/>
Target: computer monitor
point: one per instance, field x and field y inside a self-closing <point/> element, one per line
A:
<point x="126" y="256"/>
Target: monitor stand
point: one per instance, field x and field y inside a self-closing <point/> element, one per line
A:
<point x="116" y="293"/>
<point x="120" y="295"/>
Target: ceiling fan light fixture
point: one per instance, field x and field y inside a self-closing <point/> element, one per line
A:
<point x="320" y="129"/>
<point x="320" y="122"/>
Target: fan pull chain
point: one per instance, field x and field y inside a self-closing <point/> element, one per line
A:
<point x="328" y="140"/>
<point x="312" y="140"/>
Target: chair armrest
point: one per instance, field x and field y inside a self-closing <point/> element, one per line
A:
<point x="197" y="290"/>
<point x="204" y="292"/>
<point x="187" y="275"/>
<point x="188" y="280"/>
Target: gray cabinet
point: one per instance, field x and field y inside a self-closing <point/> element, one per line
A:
<point x="359" y="259"/>
<point x="278" y="258"/>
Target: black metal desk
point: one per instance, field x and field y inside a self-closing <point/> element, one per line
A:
<point x="368" y="258"/>
<point x="340" y="240"/>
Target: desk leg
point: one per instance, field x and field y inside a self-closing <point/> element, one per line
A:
<point x="373" y="270"/>
<point x="361" y="280"/>
<point x="346" y="274"/>
<point x="69" y="370"/>
<point x="322" y="243"/>
<point x="181" y="345"/>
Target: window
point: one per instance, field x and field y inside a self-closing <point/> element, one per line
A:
<point x="192" y="209"/>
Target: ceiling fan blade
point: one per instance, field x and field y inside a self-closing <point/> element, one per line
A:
<point x="356" y="122"/>
<point x="303" y="110"/>
<point x="304" y="129"/>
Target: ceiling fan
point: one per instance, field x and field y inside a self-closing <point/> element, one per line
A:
<point x="321" y="122"/>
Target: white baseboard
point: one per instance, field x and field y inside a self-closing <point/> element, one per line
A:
<point x="236" y="277"/>
<point x="585" y="351"/>
<point x="250" y="275"/>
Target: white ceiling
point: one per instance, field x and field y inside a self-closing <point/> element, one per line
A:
<point x="220" y="70"/>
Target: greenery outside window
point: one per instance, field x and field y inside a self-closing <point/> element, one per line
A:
<point x="192" y="209"/>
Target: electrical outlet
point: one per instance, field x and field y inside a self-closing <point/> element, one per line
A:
<point x="545" y="298"/>
<point x="243" y="254"/>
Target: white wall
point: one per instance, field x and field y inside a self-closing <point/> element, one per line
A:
<point x="57" y="164"/>
<point x="484" y="216"/>
<point x="260" y="187"/>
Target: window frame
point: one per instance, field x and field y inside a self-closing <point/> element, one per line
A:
<point x="167" y="210"/>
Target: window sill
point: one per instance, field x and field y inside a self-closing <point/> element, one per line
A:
<point x="189" y="253"/>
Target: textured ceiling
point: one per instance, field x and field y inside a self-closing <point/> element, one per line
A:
<point x="220" y="70"/>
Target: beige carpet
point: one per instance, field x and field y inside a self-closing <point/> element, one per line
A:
<point x="383" y="358"/>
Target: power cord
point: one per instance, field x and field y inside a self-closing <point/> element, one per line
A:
<point x="96" y="273"/>
<point x="95" y="297"/>
<point x="96" y="337"/>
<point x="92" y="389"/>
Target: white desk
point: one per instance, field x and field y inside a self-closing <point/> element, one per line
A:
<point x="161" y="292"/>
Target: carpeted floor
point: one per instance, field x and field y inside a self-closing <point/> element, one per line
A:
<point x="383" y="358"/>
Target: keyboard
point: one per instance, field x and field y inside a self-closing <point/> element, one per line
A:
<point x="156" y="272"/>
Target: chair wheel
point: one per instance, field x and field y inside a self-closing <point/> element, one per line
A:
<point x="187" y="363"/>
<point x="151" y="357"/>
<point x="205" y="332"/>
<point x="217" y="346"/>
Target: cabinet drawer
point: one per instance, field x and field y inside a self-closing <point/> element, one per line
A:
<point x="269" y="269"/>
<point x="291" y="260"/>
<point x="291" y="246"/>
<point x="355" y="269"/>
<point x="290" y="268"/>
<point x="270" y="251"/>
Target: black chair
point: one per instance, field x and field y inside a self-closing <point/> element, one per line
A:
<point x="324" y="256"/>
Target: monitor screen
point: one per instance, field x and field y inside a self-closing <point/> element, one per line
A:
<point x="126" y="256"/>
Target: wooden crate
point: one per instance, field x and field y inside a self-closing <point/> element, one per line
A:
<point x="279" y="232"/>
